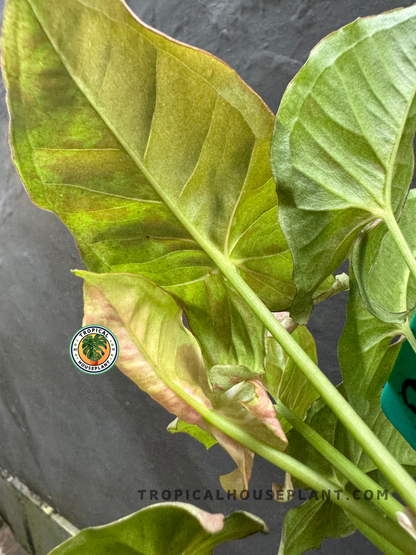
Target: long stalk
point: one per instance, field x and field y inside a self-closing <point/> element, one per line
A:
<point x="401" y="242"/>
<point x="407" y="330"/>
<point x="390" y="506"/>
<point x="376" y="539"/>
<point x="370" y="443"/>
<point x="383" y="459"/>
<point x="371" y="516"/>
<point x="409" y="258"/>
<point x="376" y="450"/>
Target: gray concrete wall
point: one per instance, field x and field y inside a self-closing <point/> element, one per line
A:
<point x="85" y="443"/>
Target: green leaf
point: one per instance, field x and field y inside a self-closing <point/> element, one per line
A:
<point x="227" y="329"/>
<point x="157" y="352"/>
<point x="155" y="155"/>
<point x="164" y="359"/>
<point x="177" y="426"/>
<point x="285" y="381"/>
<point x="388" y="295"/>
<point x="364" y="346"/>
<point x="342" y="151"/>
<point x="365" y="351"/>
<point x="322" y="419"/>
<point x="163" y="529"/>
<point x="225" y="376"/>
<point x="305" y="527"/>
<point x="366" y="356"/>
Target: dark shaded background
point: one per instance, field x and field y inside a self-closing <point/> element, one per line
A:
<point x="85" y="443"/>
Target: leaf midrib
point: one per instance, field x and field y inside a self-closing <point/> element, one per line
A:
<point x="210" y="248"/>
<point x="391" y="164"/>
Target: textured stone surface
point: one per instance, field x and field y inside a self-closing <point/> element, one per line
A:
<point x="8" y="545"/>
<point x="36" y="525"/>
<point x="84" y="443"/>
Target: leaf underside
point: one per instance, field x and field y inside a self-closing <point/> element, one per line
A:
<point x="151" y="152"/>
<point x="366" y="358"/>
<point x="164" y="359"/>
<point x="342" y="150"/>
<point x="163" y="529"/>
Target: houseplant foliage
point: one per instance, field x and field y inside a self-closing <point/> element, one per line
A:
<point x="156" y="156"/>
<point x="163" y="529"/>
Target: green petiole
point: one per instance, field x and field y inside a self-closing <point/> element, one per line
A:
<point x="389" y="506"/>
<point x="370" y="516"/>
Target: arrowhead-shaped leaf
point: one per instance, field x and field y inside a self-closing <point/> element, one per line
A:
<point x="163" y="529"/>
<point x="164" y="359"/>
<point x="305" y="527"/>
<point x="342" y="152"/>
<point x="157" y="352"/>
<point x="155" y="155"/>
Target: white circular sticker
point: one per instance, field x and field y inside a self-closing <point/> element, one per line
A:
<point x="94" y="349"/>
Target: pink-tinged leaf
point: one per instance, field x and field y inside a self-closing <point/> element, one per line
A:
<point x="156" y="350"/>
<point x="237" y="480"/>
<point x="407" y="520"/>
<point x="164" y="359"/>
<point x="285" y="319"/>
<point x="284" y="492"/>
<point x="263" y="411"/>
<point x="225" y="376"/>
<point x="247" y="405"/>
<point x="163" y="529"/>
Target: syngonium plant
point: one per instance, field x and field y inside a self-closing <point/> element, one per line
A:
<point x="159" y="160"/>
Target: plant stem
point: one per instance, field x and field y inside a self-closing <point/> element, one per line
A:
<point x="407" y="330"/>
<point x="401" y="242"/>
<point x="371" y="516"/>
<point x="369" y="533"/>
<point x="349" y="470"/>
<point x="383" y="459"/>
<point x="392" y="470"/>
<point x="409" y="258"/>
